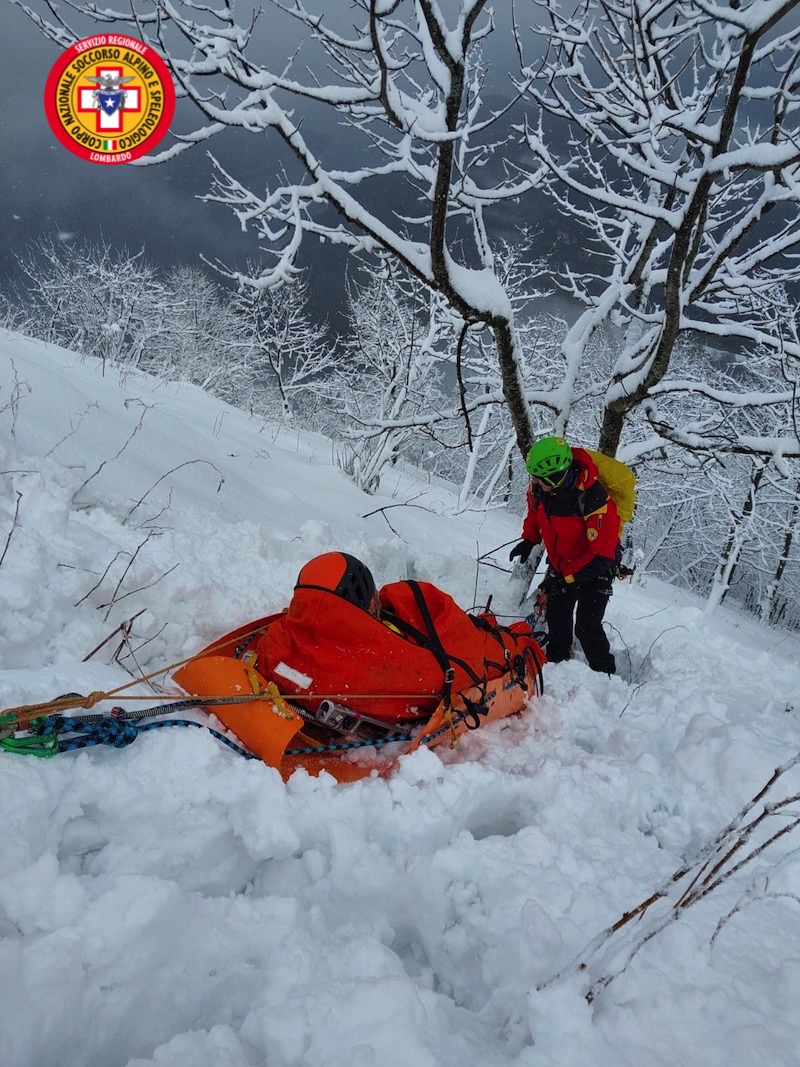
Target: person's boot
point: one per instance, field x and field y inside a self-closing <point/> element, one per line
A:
<point x="605" y="665"/>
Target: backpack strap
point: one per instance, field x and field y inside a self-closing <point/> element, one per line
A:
<point x="592" y="499"/>
<point x="432" y="642"/>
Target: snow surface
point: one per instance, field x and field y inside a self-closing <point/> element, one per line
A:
<point x="175" y="904"/>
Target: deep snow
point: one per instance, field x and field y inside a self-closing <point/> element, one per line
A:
<point x="175" y="904"/>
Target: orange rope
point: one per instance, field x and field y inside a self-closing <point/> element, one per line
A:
<point x="68" y="703"/>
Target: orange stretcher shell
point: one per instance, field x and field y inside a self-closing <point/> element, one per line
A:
<point x="272" y="730"/>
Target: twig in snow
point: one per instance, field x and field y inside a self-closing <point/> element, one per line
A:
<point x="116" y="599"/>
<point x="99" y="582"/>
<point x="652" y="646"/>
<point x="13" y="403"/>
<point x="126" y="644"/>
<point x="636" y="689"/>
<point x="692" y="882"/>
<point x="127" y="568"/>
<point x="385" y="508"/>
<point x="13" y="527"/>
<point x="146" y="523"/>
<point x="477" y="572"/>
<point x="72" y="430"/>
<point x="497" y="548"/>
<point x="625" y="643"/>
<point x="187" y="463"/>
<point x="152" y="637"/>
<point x="484" y="560"/>
<point x="750" y="896"/>
<point x="139" y="589"/>
<point x="130" y="437"/>
<point x="116" y="630"/>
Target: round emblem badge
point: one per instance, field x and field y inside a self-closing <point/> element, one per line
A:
<point x="109" y="99"/>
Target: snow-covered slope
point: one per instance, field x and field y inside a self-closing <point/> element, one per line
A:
<point x="174" y="904"/>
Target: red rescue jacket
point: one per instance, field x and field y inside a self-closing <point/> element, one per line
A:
<point x="324" y="644"/>
<point x="576" y="522"/>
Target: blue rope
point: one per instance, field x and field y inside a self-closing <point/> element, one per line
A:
<point x="345" y="745"/>
<point x="117" y="732"/>
<point x="120" y="732"/>
<point x="214" y="733"/>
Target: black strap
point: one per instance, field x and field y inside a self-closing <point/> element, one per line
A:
<point x="474" y="710"/>
<point x="425" y="641"/>
<point x="434" y="644"/>
<point x="431" y="641"/>
<point x="404" y="627"/>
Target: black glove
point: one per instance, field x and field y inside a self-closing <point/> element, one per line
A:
<point x="599" y="567"/>
<point x="521" y="551"/>
<point x="554" y="583"/>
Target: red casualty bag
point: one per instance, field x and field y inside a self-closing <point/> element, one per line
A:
<point x="393" y="669"/>
<point x="329" y="647"/>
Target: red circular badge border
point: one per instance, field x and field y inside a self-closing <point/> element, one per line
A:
<point x="152" y="139"/>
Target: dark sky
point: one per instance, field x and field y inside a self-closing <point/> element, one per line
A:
<point x="44" y="189"/>
<point x="47" y="189"/>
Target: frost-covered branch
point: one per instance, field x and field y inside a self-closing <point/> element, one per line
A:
<point x="676" y="148"/>
<point x="405" y="81"/>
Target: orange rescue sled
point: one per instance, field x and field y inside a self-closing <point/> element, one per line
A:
<point x="286" y="736"/>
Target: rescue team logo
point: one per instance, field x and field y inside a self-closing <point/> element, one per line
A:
<point x="109" y="99"/>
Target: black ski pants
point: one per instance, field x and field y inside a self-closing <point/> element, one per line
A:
<point x="587" y="604"/>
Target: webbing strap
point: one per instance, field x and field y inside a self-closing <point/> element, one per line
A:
<point x="424" y="641"/>
<point x="446" y="659"/>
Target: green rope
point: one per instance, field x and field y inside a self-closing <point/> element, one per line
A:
<point x="31" y="746"/>
<point x="45" y="745"/>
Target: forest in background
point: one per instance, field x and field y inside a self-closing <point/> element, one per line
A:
<point x="663" y="133"/>
<point x="401" y="384"/>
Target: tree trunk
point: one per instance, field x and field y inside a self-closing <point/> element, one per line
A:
<point x="768" y="607"/>
<point x="729" y="558"/>
<point x="512" y="383"/>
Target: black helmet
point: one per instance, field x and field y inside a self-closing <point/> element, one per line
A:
<point x="343" y="575"/>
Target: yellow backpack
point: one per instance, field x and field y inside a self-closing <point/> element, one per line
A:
<point x="619" y="482"/>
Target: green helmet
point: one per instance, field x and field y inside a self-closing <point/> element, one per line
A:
<point x="549" y="459"/>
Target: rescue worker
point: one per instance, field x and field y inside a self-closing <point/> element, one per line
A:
<point x="570" y="511"/>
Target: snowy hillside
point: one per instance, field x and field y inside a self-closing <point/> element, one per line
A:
<point x="174" y="904"/>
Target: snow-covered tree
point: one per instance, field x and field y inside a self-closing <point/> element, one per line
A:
<point x="482" y="424"/>
<point x="12" y="316"/>
<point x="669" y="131"/>
<point x="200" y="342"/>
<point x="777" y="596"/>
<point x="424" y="154"/>
<point x="424" y="383"/>
<point x="285" y="347"/>
<point x="94" y="299"/>
<point x="389" y="377"/>
<point x="714" y="518"/>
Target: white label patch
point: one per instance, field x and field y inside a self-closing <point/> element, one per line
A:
<point x="283" y="670"/>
